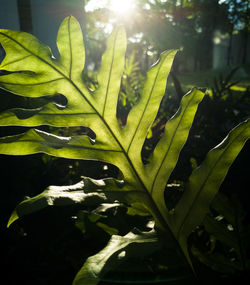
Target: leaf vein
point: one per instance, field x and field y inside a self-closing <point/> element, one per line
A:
<point x="70" y="50"/>
<point x="32" y="84"/>
<point x="14" y="61"/>
<point x="109" y="77"/>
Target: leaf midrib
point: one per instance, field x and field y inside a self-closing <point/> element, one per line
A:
<point x="70" y="49"/>
<point x="109" y="77"/>
<point x="31" y="84"/>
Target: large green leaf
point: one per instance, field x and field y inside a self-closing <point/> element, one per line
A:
<point x="32" y="71"/>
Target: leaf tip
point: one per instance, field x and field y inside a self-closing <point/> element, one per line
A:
<point x="70" y="17"/>
<point x="14" y="216"/>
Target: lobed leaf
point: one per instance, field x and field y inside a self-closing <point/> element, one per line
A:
<point x="89" y="192"/>
<point x="29" y="69"/>
<point x="94" y="109"/>
<point x="119" y="248"/>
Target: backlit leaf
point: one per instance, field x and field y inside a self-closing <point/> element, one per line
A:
<point x="29" y="69"/>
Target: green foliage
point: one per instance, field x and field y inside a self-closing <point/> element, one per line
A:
<point x="130" y="82"/>
<point x="221" y="88"/>
<point x="32" y="71"/>
<point x="228" y="236"/>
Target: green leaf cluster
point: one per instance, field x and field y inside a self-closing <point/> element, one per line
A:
<point x="30" y="70"/>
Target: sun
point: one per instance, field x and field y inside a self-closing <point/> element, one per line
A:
<point x="121" y="6"/>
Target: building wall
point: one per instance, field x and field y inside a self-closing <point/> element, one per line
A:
<point x="47" y="16"/>
<point x="9" y="18"/>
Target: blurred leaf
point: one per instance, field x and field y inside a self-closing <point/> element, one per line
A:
<point x="95" y="219"/>
<point x="216" y="261"/>
<point x="235" y="236"/>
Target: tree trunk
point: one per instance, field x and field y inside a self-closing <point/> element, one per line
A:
<point x="25" y="16"/>
<point x="245" y="35"/>
<point x="229" y="48"/>
<point x="245" y="43"/>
